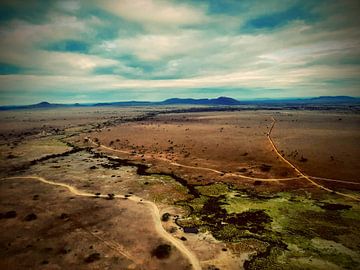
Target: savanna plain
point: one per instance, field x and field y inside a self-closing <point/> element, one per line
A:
<point x="180" y="188"/>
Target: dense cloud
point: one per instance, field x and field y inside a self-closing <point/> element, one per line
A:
<point x="84" y="51"/>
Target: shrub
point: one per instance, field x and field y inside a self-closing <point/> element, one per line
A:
<point x="165" y="217"/>
<point x="161" y="251"/>
<point x="8" y="214"/>
<point x="92" y="257"/>
<point x="31" y="217"/>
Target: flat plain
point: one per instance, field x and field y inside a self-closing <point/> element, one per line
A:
<point x="168" y="187"/>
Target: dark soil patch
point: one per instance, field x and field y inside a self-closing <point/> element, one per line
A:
<point x="253" y="220"/>
<point x="64" y="216"/>
<point x="165" y="217"/>
<point x="111" y="196"/>
<point x="8" y="214"/>
<point x="161" y="251"/>
<point x="215" y="217"/>
<point x="334" y="206"/>
<point x="30" y="217"/>
<point x="92" y="257"/>
<point x="265" y="167"/>
<point x="190" y="230"/>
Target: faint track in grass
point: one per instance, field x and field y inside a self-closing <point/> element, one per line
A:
<point x="334" y="180"/>
<point x="301" y="175"/>
<point x="308" y="178"/>
<point x="199" y="167"/>
<point x="154" y="211"/>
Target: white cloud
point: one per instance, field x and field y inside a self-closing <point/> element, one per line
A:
<point x="64" y="63"/>
<point x="166" y="13"/>
<point x="21" y="41"/>
<point x="69" y="5"/>
<point x="273" y="79"/>
<point x="154" y="47"/>
<point x="184" y="43"/>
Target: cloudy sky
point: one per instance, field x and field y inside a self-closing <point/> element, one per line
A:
<point x="90" y="51"/>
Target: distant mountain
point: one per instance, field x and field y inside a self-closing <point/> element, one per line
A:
<point x="322" y="100"/>
<point x="205" y="101"/>
<point x="124" y="103"/>
<point x="44" y="104"/>
<point x="220" y="101"/>
<point x="41" y="105"/>
<point x="335" y="99"/>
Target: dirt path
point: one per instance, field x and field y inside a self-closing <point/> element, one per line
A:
<point x="334" y="180"/>
<point x="301" y="175"/>
<point x="308" y="178"/>
<point x="197" y="167"/>
<point x="154" y="211"/>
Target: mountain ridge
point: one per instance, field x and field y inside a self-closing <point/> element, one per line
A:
<point x="220" y="101"/>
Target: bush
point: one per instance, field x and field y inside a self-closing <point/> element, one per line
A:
<point x="165" y="217"/>
<point x="265" y="167"/>
<point x="8" y="214"/>
<point x="161" y="251"/>
<point x="31" y="217"/>
<point x="92" y="257"/>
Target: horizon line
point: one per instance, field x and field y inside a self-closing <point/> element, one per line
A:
<point x="179" y="98"/>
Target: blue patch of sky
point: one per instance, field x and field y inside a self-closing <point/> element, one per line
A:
<point x="31" y="11"/>
<point x="229" y="7"/>
<point x="68" y="46"/>
<point x="7" y="69"/>
<point x="335" y="60"/>
<point x="277" y="19"/>
<point x="132" y="61"/>
<point x="343" y="82"/>
<point x="105" y="71"/>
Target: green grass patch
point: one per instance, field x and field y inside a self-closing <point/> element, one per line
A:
<point x="213" y="190"/>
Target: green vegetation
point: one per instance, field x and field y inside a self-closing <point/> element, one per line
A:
<point x="214" y="189"/>
<point x="299" y="232"/>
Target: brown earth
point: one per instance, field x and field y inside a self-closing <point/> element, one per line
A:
<point x="68" y="230"/>
<point x="200" y="148"/>
<point x="328" y="143"/>
<point x="236" y="143"/>
<point x="228" y="142"/>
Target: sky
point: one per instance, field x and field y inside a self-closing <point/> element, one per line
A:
<point x="116" y="50"/>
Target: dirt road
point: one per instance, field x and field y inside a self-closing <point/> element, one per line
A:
<point x="154" y="210"/>
<point x="197" y="167"/>
<point x="300" y="172"/>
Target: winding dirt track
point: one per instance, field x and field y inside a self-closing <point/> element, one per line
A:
<point x="308" y="178"/>
<point x="152" y="206"/>
<point x="197" y="167"/>
<point x="301" y="175"/>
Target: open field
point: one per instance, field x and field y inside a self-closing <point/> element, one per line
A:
<point x="151" y="188"/>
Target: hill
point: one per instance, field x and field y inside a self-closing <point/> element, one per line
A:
<point x="220" y="101"/>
